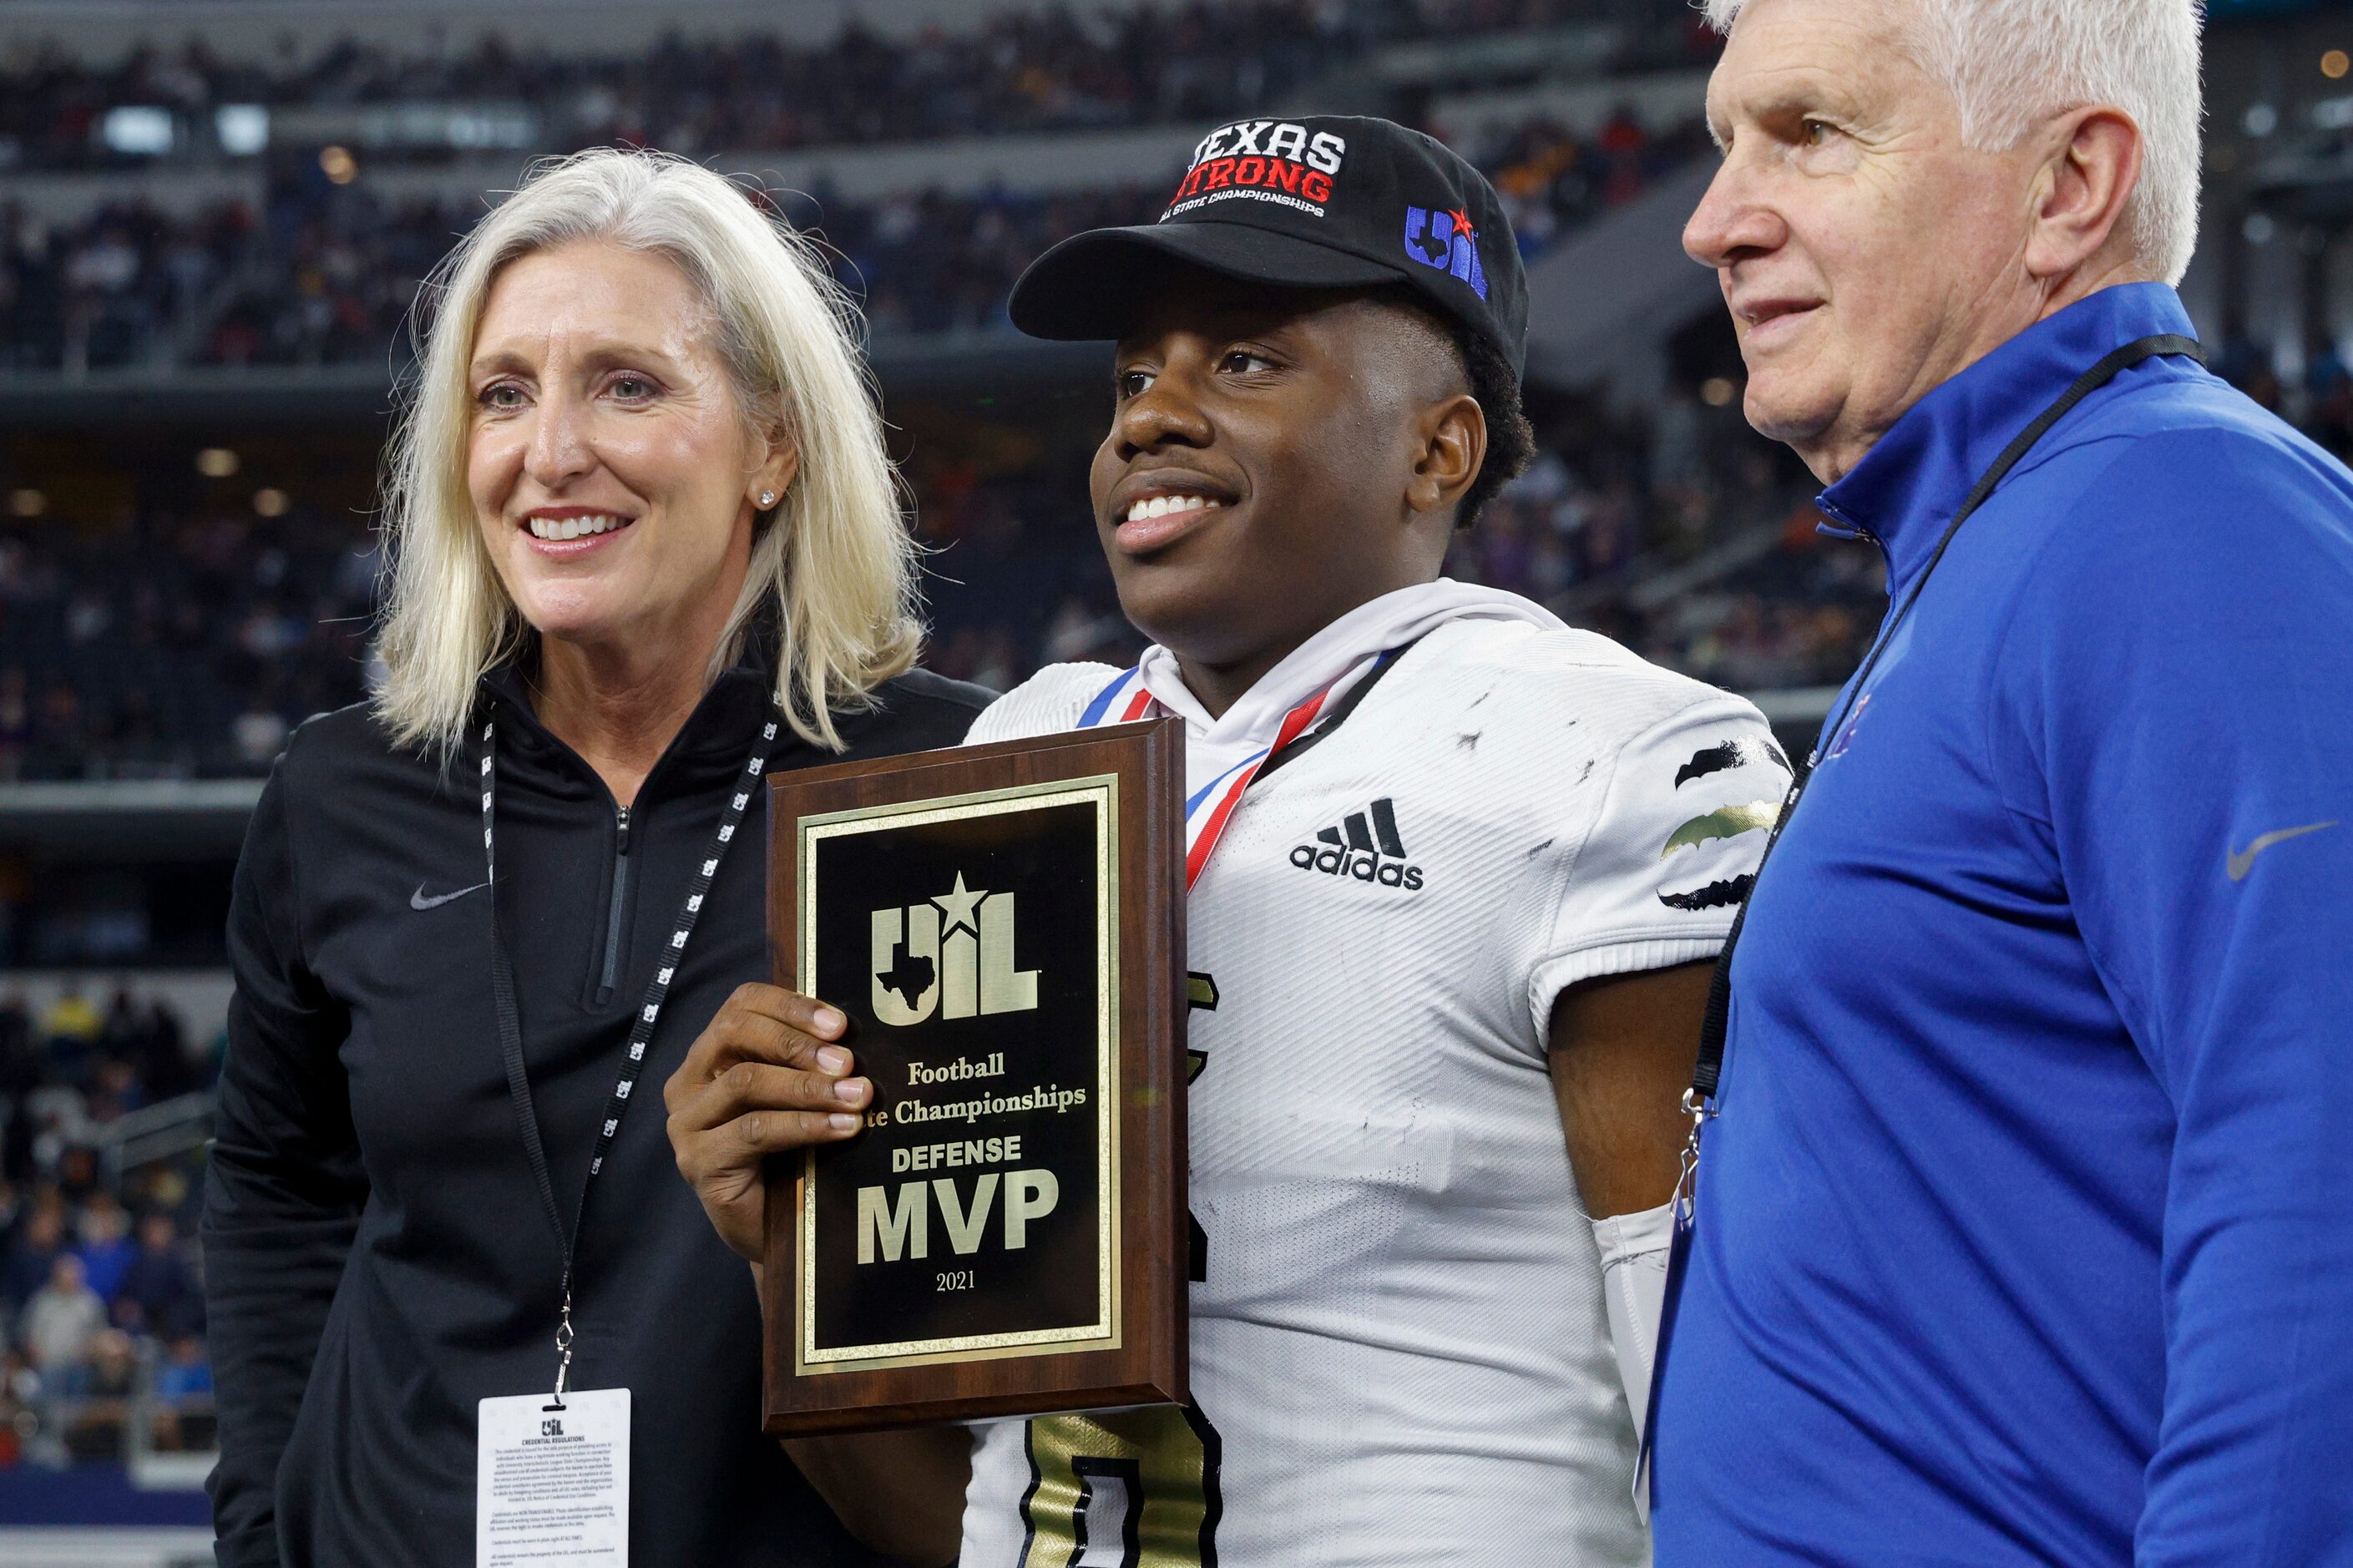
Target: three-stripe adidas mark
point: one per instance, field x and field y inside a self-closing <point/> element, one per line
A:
<point x="1365" y="846"/>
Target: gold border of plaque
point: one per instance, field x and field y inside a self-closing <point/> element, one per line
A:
<point x="1128" y="1346"/>
<point x="1102" y="791"/>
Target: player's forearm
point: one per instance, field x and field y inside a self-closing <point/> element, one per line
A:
<point x="1621" y="1054"/>
<point x="901" y="1493"/>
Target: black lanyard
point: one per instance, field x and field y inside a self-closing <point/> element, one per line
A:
<point x="1700" y="1099"/>
<point x="640" y="1030"/>
<point x="1712" y="1030"/>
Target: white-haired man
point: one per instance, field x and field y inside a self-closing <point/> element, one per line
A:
<point x="2022" y="1235"/>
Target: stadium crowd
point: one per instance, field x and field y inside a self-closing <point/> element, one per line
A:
<point x="175" y="644"/>
<point x="184" y="643"/>
<point x="171" y="643"/>
<point x="101" y="1312"/>
<point x="1553" y="180"/>
<point x="325" y="274"/>
<point x="1061" y="68"/>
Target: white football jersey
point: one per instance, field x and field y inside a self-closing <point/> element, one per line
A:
<point x="1400" y="1353"/>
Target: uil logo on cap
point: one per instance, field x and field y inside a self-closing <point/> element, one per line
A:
<point x="1445" y="240"/>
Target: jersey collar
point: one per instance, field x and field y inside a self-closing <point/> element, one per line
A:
<point x="1334" y="657"/>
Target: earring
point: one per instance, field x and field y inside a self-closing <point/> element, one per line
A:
<point x="767" y="500"/>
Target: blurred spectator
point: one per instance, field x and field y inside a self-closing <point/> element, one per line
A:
<point x="123" y="1028"/>
<point x="68" y="1029"/>
<point x="62" y="1319"/>
<point x="75" y="1165"/>
<point x="184" y="1395"/>
<point x="2328" y="400"/>
<point x="21" y="1063"/>
<point x="159" y="1294"/>
<point x="114" y="1090"/>
<point x="101" y="1389"/>
<point x="69" y="1385"/>
<point x="186" y="1373"/>
<point x="106" y="1250"/>
<point x="158" y="1053"/>
<point x="71" y="1020"/>
<point x="32" y="1257"/>
<point x="20" y="1392"/>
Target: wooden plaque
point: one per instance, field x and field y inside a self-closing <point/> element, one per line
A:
<point x="1004" y="926"/>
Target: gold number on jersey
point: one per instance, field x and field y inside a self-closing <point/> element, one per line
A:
<point x="1129" y="1488"/>
<point x="1200" y="995"/>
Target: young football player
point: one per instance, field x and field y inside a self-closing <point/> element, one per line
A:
<point x="1456" y="873"/>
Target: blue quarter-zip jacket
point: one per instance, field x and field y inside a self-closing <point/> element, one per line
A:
<point x="2025" y="1234"/>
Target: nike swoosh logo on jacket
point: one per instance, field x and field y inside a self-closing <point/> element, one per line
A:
<point x="2244" y="861"/>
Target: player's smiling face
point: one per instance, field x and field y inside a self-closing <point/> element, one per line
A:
<point x="1259" y="480"/>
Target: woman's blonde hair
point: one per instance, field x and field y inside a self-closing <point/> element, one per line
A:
<point x="834" y="554"/>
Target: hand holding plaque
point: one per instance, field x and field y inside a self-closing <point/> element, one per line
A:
<point x="1004" y="926"/>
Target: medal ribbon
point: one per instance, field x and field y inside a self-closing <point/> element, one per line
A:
<point x="1211" y="808"/>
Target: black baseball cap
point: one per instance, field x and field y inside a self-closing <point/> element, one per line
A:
<point x="1323" y="201"/>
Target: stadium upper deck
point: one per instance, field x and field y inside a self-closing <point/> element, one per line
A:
<point x="1017" y="71"/>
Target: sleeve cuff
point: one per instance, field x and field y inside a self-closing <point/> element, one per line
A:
<point x="1622" y="1237"/>
<point x="1623" y="956"/>
<point x="1634" y="1252"/>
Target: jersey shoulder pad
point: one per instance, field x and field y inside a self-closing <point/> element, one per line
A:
<point x="1535" y="676"/>
<point x="1047" y="703"/>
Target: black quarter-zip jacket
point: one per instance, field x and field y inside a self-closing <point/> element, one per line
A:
<point x="379" y="1256"/>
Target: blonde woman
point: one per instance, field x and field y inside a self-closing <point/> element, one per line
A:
<point x="646" y="546"/>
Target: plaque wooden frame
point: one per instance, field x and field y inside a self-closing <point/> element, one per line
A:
<point x="1145" y="1363"/>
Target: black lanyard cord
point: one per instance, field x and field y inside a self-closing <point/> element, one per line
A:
<point x="502" y="988"/>
<point x="1336" y="717"/>
<point x="1699" y="1100"/>
<point x="1717" y="1019"/>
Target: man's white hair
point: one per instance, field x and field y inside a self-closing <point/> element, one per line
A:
<point x="2012" y="63"/>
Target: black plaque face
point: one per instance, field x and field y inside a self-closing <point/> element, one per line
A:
<point x="973" y="942"/>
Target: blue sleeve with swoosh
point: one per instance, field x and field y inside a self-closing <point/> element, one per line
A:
<point x="283" y="1185"/>
<point x="2175" y="728"/>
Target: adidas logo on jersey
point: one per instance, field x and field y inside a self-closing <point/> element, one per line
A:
<point x="1365" y="846"/>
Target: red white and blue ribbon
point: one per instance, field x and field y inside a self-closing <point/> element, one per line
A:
<point x="1210" y="808"/>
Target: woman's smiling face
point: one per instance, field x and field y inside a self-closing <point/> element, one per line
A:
<point x="612" y="469"/>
